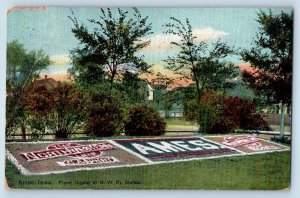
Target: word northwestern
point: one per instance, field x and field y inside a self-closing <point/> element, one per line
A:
<point x="66" y="151"/>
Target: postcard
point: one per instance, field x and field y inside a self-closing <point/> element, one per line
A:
<point x="149" y="98"/>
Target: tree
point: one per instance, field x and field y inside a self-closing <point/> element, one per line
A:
<point x="204" y="65"/>
<point x="133" y="88"/>
<point x="22" y="69"/>
<point x="160" y="83"/>
<point x="179" y="97"/>
<point x="112" y="46"/>
<point x="271" y="57"/>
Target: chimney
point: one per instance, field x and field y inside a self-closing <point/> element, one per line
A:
<point x="46" y="76"/>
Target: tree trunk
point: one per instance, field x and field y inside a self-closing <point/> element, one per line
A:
<point x="198" y="92"/>
<point x="197" y="86"/>
<point x="111" y="80"/>
<point x="282" y="120"/>
<point x="23" y="129"/>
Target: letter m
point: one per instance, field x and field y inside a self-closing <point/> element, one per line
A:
<point x="165" y="146"/>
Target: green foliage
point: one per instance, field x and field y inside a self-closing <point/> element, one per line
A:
<point x="179" y="96"/>
<point x="160" y="98"/>
<point x="190" y="110"/>
<point x="144" y="121"/>
<point x="205" y="64"/>
<point x="16" y="116"/>
<point x="105" y="114"/>
<point x="159" y="95"/>
<point x="22" y="69"/>
<point x="208" y="115"/>
<point x="241" y="90"/>
<point x="206" y="112"/>
<point x="271" y="56"/>
<point x="87" y="74"/>
<point x="38" y="127"/>
<point x="111" y="47"/>
<point x="133" y="88"/>
<point x="22" y="66"/>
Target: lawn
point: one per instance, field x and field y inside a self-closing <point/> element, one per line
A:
<point x="174" y="124"/>
<point x="287" y="128"/>
<point x="269" y="171"/>
<point x="173" y="121"/>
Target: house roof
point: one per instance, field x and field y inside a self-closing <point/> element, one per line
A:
<point x="180" y="82"/>
<point x="63" y="77"/>
<point x="47" y="82"/>
<point x="246" y="67"/>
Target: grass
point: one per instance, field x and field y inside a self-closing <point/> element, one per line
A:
<point x="174" y="121"/>
<point x="287" y="128"/>
<point x="174" y="124"/>
<point x="270" y="171"/>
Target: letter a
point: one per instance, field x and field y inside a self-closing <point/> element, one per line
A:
<point x="143" y="149"/>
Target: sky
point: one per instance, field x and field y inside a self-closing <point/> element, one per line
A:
<point x="49" y="28"/>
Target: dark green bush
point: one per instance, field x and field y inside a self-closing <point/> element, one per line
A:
<point x="206" y="112"/>
<point x="105" y="115"/>
<point x="208" y="116"/>
<point x="189" y="110"/>
<point x="144" y="121"/>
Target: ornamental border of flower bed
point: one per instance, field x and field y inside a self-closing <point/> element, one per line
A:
<point x="149" y="161"/>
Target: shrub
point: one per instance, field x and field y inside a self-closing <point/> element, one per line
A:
<point x="222" y="126"/>
<point x="254" y="121"/>
<point x="189" y="110"/>
<point x="105" y="115"/>
<point x="238" y="113"/>
<point x="144" y="121"/>
<point x="244" y="113"/>
<point x="208" y="115"/>
<point x="58" y="109"/>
